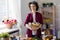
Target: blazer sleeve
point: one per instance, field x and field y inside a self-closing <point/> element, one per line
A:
<point x="26" y="20"/>
<point x="41" y="19"/>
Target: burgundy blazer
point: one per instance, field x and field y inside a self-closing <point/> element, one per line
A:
<point x="29" y="18"/>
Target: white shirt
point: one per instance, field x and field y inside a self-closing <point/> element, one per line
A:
<point x="34" y="20"/>
<point x="34" y="17"/>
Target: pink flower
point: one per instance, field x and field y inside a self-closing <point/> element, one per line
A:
<point x="14" y="21"/>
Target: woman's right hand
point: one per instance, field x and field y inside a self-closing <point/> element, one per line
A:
<point x="28" y="26"/>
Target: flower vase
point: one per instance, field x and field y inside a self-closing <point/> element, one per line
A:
<point x="9" y="26"/>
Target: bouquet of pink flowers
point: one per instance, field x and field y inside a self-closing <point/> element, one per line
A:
<point x="10" y="23"/>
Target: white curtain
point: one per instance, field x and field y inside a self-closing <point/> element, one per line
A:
<point x="14" y="10"/>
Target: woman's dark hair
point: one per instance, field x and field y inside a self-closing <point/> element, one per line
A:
<point x="35" y="3"/>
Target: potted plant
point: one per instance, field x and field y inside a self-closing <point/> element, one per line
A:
<point x="4" y="36"/>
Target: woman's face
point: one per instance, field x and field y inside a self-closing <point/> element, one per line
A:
<point x="33" y="7"/>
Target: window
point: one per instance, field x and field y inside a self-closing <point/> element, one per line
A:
<point x="9" y="9"/>
<point x="3" y="11"/>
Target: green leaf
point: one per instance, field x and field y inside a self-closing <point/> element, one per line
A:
<point x="4" y="35"/>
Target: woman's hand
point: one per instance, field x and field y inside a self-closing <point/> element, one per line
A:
<point x="27" y="25"/>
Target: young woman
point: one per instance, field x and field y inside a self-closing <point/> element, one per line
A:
<point x="32" y="17"/>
